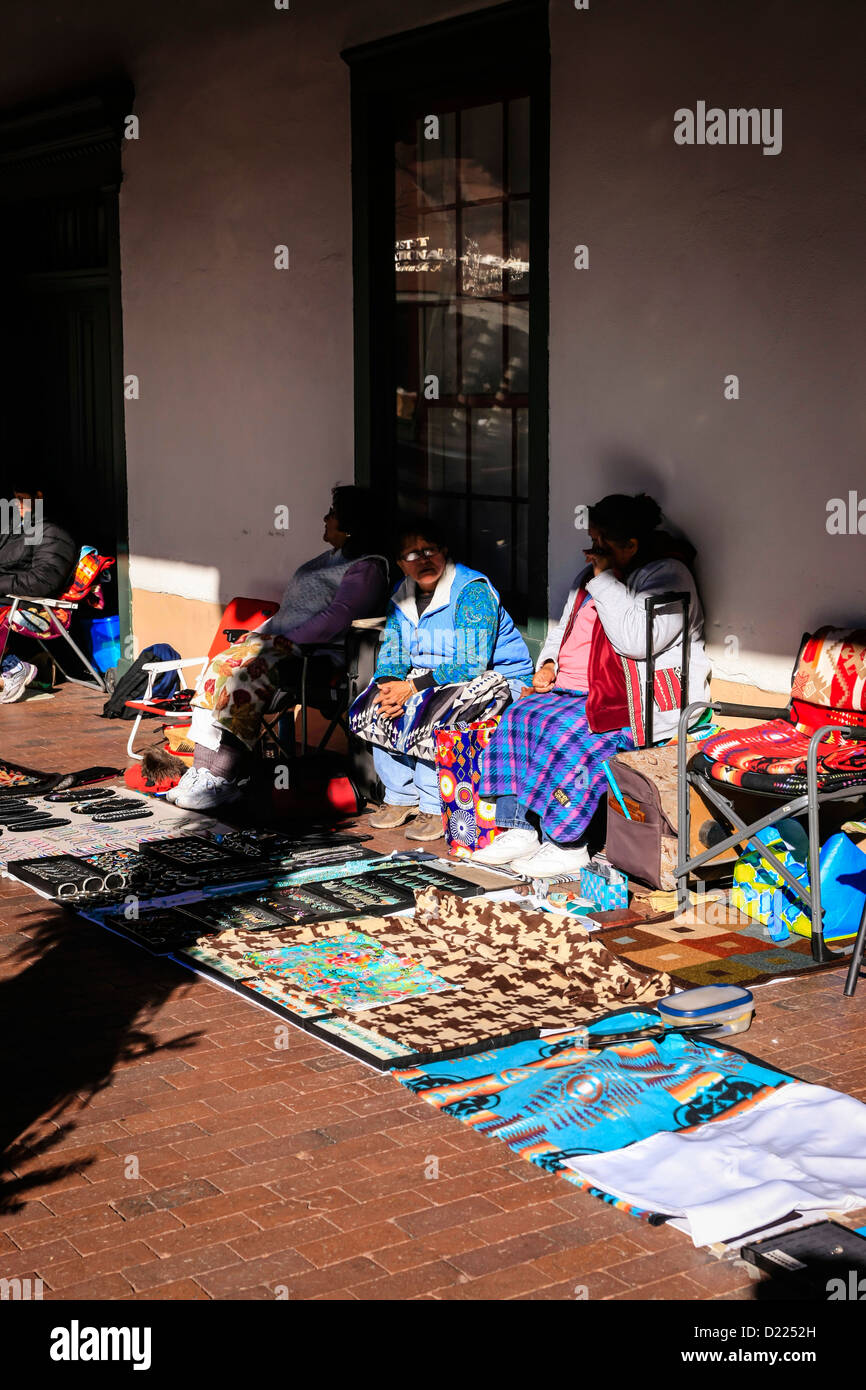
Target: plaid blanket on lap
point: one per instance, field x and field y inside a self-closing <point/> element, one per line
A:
<point x="545" y="754"/>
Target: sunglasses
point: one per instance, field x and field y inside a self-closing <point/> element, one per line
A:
<point x="412" y="555"/>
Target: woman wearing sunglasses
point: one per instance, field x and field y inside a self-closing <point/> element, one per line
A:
<point x="450" y="653"/>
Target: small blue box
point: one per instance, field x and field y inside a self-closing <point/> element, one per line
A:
<point x="604" y="885"/>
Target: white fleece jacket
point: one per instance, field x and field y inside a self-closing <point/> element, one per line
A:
<point x="621" y="609"/>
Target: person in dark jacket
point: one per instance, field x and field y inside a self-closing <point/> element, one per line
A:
<point x="37" y="560"/>
<point x="37" y="557"/>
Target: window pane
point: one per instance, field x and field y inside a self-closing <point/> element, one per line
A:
<point x="482" y="347"/>
<point x="481" y="152"/>
<point x="518" y="247"/>
<point x="490" y="441"/>
<point x="521" y="426"/>
<point x="436" y="151"/>
<point x="481" y="256"/>
<point x="492" y="551"/>
<point x="461" y="345"/>
<point x="452" y="516"/>
<point x="521" y="574"/>
<point x="518" y="145"/>
<point x="446" y="449"/>
<point x="438" y="349"/>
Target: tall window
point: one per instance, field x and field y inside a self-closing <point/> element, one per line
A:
<point x="450" y="191"/>
<point x="461" y="324"/>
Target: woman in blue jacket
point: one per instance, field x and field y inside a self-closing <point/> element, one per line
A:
<point x="450" y="654"/>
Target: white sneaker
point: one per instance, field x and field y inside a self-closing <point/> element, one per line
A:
<point x="551" y="860"/>
<point x="186" y="784"/>
<point x="507" y="845"/>
<point x="15" y="681"/>
<point x="208" y="791"/>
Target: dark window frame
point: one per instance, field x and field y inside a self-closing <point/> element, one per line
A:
<point x="485" y="55"/>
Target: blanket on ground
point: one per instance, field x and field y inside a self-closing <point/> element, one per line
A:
<point x="552" y="1099"/>
<point x="801" y="1149"/>
<point x="501" y="972"/>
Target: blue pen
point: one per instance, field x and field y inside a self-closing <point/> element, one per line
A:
<point x="616" y="791"/>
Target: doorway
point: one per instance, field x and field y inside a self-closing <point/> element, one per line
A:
<point x="61" y="356"/>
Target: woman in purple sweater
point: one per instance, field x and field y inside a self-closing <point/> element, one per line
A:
<point x="323" y="598"/>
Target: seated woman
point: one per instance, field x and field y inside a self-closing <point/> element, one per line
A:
<point x="547" y="756"/>
<point x="323" y="598"/>
<point x="37" y="560"/>
<point x="450" y="652"/>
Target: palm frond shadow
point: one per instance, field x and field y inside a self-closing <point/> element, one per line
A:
<point x="81" y="1006"/>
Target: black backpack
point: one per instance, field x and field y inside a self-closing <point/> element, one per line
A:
<point x="133" y="684"/>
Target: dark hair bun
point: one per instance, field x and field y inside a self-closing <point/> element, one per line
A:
<point x="622" y="518"/>
<point x="647" y="511"/>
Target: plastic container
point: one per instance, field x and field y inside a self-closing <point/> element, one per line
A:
<point x="569" y="902"/>
<point x="726" y="1009"/>
<point x="105" y="642"/>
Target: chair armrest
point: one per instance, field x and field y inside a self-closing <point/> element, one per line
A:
<point x="176" y="665"/>
<point x="749" y="711"/>
<point x="43" y="602"/>
<point x="670" y="596"/>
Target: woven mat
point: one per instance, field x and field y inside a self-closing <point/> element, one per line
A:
<point x="713" y="944"/>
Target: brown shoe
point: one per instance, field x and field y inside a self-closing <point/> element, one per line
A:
<point x="389" y="817"/>
<point x="426" y="827"/>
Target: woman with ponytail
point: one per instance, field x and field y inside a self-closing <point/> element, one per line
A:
<point x="544" y="766"/>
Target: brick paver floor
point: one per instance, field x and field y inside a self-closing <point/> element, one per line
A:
<point x="159" y="1144"/>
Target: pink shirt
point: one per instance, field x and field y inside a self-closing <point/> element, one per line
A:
<point x="573" y="661"/>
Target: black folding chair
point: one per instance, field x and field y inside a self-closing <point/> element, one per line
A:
<point x="691" y="773"/>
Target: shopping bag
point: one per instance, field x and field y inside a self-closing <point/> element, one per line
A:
<point x="468" y="820"/>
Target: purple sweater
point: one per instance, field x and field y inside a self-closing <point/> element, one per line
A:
<point x="362" y="594"/>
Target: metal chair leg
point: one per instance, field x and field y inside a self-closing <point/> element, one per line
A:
<point x="856" y="957"/>
<point x="97" y="683"/>
<point x="134" y="730"/>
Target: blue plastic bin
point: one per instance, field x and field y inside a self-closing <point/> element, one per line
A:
<point x="105" y="642"/>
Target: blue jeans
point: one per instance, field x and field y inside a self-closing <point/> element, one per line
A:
<point x="408" y="781"/>
<point x="510" y="815"/>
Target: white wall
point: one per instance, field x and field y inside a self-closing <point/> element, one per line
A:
<point x="704" y="262"/>
<point x="246" y="371"/>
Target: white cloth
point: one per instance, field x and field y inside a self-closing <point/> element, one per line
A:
<point x="204" y="729"/>
<point x="802" y="1149"/>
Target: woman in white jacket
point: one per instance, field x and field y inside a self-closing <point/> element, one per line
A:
<point x="544" y="766"/>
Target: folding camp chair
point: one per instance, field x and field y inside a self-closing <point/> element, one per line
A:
<point x="334" y="697"/>
<point x="44" y="620"/>
<point x="787" y="758"/>
<point x="240" y="616"/>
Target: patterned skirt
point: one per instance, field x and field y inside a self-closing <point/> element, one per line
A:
<point x="240" y="683"/>
<point x="546" y="755"/>
<point x="413" y="732"/>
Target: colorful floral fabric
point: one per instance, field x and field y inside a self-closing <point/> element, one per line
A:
<point x="469" y="820"/>
<point x="353" y="971"/>
<point x="240" y="683"/>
